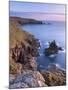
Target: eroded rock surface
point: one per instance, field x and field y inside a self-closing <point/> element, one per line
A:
<point x="28" y="79"/>
<point x="54" y="76"/>
<point x="53" y="48"/>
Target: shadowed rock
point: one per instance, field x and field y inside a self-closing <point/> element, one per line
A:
<point x="53" y="48"/>
<point x="25" y="54"/>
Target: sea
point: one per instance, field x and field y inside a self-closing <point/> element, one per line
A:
<point x="51" y="30"/>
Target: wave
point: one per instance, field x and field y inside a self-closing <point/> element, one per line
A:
<point x="63" y="51"/>
<point x="40" y="42"/>
<point x="53" y="55"/>
<point x="47" y="43"/>
<point x="41" y="54"/>
<point x="41" y="66"/>
<point x="55" y="66"/>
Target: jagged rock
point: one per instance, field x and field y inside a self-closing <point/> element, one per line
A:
<point x="11" y="78"/>
<point x="54" y="76"/>
<point x="18" y="85"/>
<point x="22" y="21"/>
<point x="29" y="79"/>
<point x="23" y="48"/>
<point x="22" y="55"/>
<point x="15" y="68"/>
<point x="53" y="48"/>
<point x="31" y="65"/>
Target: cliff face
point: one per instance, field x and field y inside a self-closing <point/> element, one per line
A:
<point x="22" y="63"/>
<point x="22" y="21"/>
<point x="23" y="48"/>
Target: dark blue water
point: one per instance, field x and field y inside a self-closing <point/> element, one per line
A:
<point x="46" y="33"/>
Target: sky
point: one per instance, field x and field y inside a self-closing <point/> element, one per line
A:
<point x="33" y="10"/>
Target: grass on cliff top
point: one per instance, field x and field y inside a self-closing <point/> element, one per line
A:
<point x="16" y="34"/>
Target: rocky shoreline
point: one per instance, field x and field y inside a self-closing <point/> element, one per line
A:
<point x="22" y="61"/>
<point x="53" y="76"/>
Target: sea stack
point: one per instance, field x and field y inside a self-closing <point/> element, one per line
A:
<point x="52" y="49"/>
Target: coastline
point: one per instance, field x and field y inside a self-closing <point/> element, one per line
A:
<point x="23" y="51"/>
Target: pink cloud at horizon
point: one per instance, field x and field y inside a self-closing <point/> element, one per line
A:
<point x="41" y="16"/>
<point x="52" y="17"/>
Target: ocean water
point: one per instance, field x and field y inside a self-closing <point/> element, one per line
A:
<point x="47" y="33"/>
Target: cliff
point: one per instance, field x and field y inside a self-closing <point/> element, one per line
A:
<point x="22" y="63"/>
<point x="23" y="46"/>
<point x="22" y="21"/>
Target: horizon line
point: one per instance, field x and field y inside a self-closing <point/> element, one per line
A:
<point x="38" y="12"/>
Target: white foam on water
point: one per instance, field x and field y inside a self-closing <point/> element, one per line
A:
<point x="41" y="54"/>
<point x="53" y="66"/>
<point x="40" y="42"/>
<point x="41" y="66"/>
<point x="47" y="43"/>
<point x="39" y="47"/>
<point x="57" y="65"/>
<point x="57" y="44"/>
<point x="53" y="55"/>
<point x="63" y="51"/>
<point x="60" y="52"/>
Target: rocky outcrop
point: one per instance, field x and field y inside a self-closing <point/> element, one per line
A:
<point x="23" y="55"/>
<point x="23" y="49"/>
<point x="22" y="63"/>
<point x="54" y="76"/>
<point x="27" y="79"/>
<point x="53" y="48"/>
<point x="22" y="21"/>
